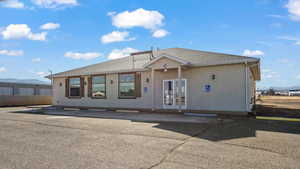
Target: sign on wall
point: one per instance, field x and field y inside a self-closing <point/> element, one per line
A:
<point x="207" y="88"/>
<point x="145" y="89"/>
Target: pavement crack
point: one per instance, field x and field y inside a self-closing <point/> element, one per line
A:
<point x="176" y="147"/>
<point x="254" y="148"/>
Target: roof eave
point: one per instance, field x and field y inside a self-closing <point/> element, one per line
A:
<point x="97" y="73"/>
<point x="174" y="58"/>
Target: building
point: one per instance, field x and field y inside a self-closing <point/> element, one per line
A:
<point x="150" y="80"/>
<point x="294" y="92"/>
<point x="16" y="94"/>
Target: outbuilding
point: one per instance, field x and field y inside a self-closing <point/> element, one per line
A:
<point x="173" y="79"/>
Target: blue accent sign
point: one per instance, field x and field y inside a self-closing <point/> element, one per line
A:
<point x="207" y="88"/>
<point x="145" y="89"/>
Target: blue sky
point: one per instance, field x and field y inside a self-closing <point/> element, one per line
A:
<point x="38" y="35"/>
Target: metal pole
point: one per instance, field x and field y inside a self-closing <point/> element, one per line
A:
<point x="51" y="82"/>
<point x="153" y="89"/>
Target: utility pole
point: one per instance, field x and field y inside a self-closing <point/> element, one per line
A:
<point x="51" y="82"/>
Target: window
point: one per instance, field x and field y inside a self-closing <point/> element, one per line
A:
<point x="45" y="92"/>
<point x="127" y="85"/>
<point x="98" y="87"/>
<point x="74" y="87"/>
<point x="26" y="92"/>
<point x="6" y="91"/>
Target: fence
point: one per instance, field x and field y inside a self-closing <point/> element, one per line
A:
<point x="14" y="94"/>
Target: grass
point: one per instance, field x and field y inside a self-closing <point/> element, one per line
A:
<point x="278" y="118"/>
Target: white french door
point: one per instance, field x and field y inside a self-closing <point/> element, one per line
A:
<point x="171" y="98"/>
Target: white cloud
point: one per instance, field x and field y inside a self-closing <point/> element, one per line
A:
<point x="37" y="36"/>
<point x="276" y="25"/>
<point x="2" y="69"/>
<point x="85" y="56"/>
<point x="13" y="4"/>
<point x="116" y="36"/>
<point x="283" y="60"/>
<point x="298" y="77"/>
<point x="55" y="3"/>
<point x="269" y="74"/>
<point x="265" y="43"/>
<point x="41" y="73"/>
<point x="138" y="18"/>
<point x="11" y="52"/>
<point x="36" y="60"/>
<point x="160" y="33"/>
<point x="119" y="53"/>
<point x="18" y="31"/>
<point x="291" y="38"/>
<point x="275" y="16"/>
<point x="111" y="13"/>
<point x="250" y="53"/>
<point x="50" y="26"/>
<point x="294" y="9"/>
<point x="266" y="70"/>
<point x="15" y="31"/>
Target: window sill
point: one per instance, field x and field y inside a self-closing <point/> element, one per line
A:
<point x="98" y="97"/>
<point x="74" y="97"/>
<point x="128" y="97"/>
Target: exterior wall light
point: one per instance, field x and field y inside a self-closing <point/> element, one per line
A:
<point x="111" y="81"/>
<point x="213" y="77"/>
<point x="147" y="80"/>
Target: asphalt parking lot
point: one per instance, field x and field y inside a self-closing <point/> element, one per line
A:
<point x="38" y="140"/>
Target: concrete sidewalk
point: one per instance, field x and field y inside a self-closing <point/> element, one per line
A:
<point x="133" y="116"/>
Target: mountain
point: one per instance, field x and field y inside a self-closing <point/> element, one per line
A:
<point x="26" y="81"/>
<point x="281" y="88"/>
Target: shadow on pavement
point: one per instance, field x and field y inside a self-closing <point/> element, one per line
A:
<point x="249" y="128"/>
<point x="274" y="111"/>
<point x="219" y="129"/>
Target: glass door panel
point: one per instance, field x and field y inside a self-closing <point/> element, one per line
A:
<point x="171" y="98"/>
<point x="168" y="92"/>
<point x="183" y="94"/>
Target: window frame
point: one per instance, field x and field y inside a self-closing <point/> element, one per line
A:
<point x="134" y="82"/>
<point x="76" y="97"/>
<point x="91" y="88"/>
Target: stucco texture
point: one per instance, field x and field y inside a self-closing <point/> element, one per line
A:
<point x="227" y="90"/>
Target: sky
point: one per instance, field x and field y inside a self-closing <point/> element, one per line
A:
<point x="41" y="35"/>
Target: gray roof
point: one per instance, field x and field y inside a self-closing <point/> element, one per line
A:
<point x="136" y="61"/>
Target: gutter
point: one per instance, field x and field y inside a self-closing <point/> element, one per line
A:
<point x="246" y="86"/>
<point x="96" y="73"/>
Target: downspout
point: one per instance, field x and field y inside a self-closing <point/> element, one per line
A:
<point x="246" y="86"/>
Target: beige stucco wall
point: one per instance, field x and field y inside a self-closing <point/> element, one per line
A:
<point x="111" y="92"/>
<point x="227" y="94"/>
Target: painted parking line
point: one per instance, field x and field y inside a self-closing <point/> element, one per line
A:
<point x="278" y="118"/>
<point x="59" y="117"/>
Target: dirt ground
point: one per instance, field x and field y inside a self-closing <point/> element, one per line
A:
<point x="279" y="105"/>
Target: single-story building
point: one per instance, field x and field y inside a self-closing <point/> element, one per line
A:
<point x="173" y="79"/>
<point x="17" y="93"/>
<point x="294" y="92"/>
